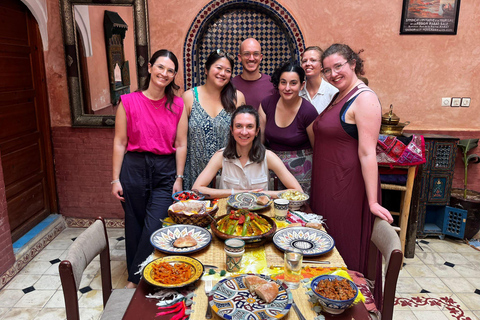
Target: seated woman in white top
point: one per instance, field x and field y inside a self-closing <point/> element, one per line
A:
<point x="245" y="162"/>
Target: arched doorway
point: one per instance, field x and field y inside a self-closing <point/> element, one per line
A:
<point x="224" y="25"/>
<point x="25" y="143"/>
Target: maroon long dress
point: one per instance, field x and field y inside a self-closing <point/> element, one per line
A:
<point x="338" y="189"/>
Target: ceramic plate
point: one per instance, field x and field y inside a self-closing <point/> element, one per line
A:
<point x="230" y="299"/>
<point x="311" y="241"/>
<point x="163" y="238"/>
<point x="247" y="200"/>
<point x="195" y="265"/>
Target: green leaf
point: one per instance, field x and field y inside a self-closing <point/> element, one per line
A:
<point x="473" y="157"/>
<point x="467" y="144"/>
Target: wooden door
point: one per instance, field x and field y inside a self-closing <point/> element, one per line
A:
<point x="25" y="142"/>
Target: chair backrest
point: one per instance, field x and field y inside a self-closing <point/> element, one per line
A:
<point x="84" y="249"/>
<point x="386" y="240"/>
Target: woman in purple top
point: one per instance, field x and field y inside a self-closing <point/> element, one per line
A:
<point x="286" y="123"/>
<point x="149" y="151"/>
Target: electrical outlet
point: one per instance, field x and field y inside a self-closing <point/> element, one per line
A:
<point x="446" y="102"/>
<point x="456" y="102"/>
<point x="465" y="102"/>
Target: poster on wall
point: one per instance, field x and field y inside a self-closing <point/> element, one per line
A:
<point x="430" y="17"/>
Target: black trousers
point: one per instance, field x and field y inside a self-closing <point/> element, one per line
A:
<point x="147" y="180"/>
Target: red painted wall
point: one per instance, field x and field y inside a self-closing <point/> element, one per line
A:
<point x="6" y="250"/>
<point x="83" y="165"/>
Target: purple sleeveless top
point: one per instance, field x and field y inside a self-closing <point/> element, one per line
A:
<point x="149" y="129"/>
<point x="293" y="137"/>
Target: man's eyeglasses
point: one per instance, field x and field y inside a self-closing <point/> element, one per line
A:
<point x="328" y="72"/>
<point x="255" y="54"/>
<point x="162" y="68"/>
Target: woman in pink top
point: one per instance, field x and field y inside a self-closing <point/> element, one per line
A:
<point x="149" y="151"/>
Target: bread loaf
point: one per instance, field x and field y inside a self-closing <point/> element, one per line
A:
<point x="265" y="290"/>
<point x="185" y="242"/>
<point x="262" y="200"/>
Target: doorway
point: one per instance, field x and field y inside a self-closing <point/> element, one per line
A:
<point x="25" y="141"/>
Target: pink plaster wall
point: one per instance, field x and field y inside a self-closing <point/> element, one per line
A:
<point x="411" y="72"/>
<point x="97" y="63"/>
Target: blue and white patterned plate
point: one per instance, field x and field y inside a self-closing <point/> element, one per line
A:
<point x="163" y="238"/>
<point x="230" y="299"/>
<point x="311" y="241"/>
<point x="247" y="200"/>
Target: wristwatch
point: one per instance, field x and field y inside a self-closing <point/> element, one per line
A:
<point x="179" y="176"/>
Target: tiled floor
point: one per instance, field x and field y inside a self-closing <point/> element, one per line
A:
<point x="441" y="282"/>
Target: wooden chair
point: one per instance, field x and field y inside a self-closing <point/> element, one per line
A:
<point x="385" y="239"/>
<point x="405" y="201"/>
<point x="84" y="249"/>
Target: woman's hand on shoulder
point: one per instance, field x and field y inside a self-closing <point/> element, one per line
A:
<point x="381" y="212"/>
<point x="117" y="191"/>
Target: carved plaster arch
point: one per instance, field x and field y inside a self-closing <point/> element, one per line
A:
<point x="38" y="8"/>
<point x="220" y="16"/>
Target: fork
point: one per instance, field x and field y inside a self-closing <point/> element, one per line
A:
<point x="208" y="288"/>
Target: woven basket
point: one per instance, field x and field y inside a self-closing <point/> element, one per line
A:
<point x="201" y="220"/>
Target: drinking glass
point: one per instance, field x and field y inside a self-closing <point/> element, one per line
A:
<point x="293" y="268"/>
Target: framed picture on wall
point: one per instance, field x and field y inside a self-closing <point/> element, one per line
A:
<point x="430" y="17"/>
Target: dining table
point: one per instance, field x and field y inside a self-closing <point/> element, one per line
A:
<point x="141" y="307"/>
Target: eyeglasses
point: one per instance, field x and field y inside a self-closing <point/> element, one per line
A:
<point x="255" y="54"/>
<point x="225" y="54"/>
<point x="162" y="68"/>
<point x="328" y="72"/>
<point x="312" y="61"/>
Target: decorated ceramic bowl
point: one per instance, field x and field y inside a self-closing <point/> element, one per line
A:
<point x="293" y="197"/>
<point x="164" y="238"/>
<point x="195" y="266"/>
<point x="250" y="241"/>
<point x="330" y="305"/>
<point x="230" y="299"/>
<point x="310" y="241"/>
<point x="186" y="195"/>
<point x="248" y="200"/>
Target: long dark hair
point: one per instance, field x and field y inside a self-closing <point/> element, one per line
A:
<point x="172" y="86"/>
<point x="288" y="66"/>
<point x="257" y="152"/>
<point x="228" y="95"/>
<point x="346" y="52"/>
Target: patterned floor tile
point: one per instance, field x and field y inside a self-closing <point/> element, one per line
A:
<point x="35" y="299"/>
<point x="433" y="285"/>
<point x="21" y="314"/>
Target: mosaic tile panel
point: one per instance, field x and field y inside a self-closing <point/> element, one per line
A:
<point x="224" y="24"/>
<point x="85" y="223"/>
<point x="22" y="261"/>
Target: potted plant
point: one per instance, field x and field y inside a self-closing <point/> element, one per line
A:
<point x="468" y="199"/>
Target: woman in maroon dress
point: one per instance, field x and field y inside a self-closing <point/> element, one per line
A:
<point x="345" y="183"/>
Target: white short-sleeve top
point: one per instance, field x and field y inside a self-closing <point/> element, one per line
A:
<point x="252" y="176"/>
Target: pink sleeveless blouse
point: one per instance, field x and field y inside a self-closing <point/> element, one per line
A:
<point x="151" y="129"/>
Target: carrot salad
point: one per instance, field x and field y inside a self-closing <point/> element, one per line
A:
<point x="166" y="273"/>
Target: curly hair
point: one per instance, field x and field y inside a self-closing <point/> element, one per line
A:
<point x="288" y="66"/>
<point x="346" y="52"/>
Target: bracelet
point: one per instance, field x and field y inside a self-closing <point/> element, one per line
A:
<point x="179" y="176"/>
<point x="115" y="181"/>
